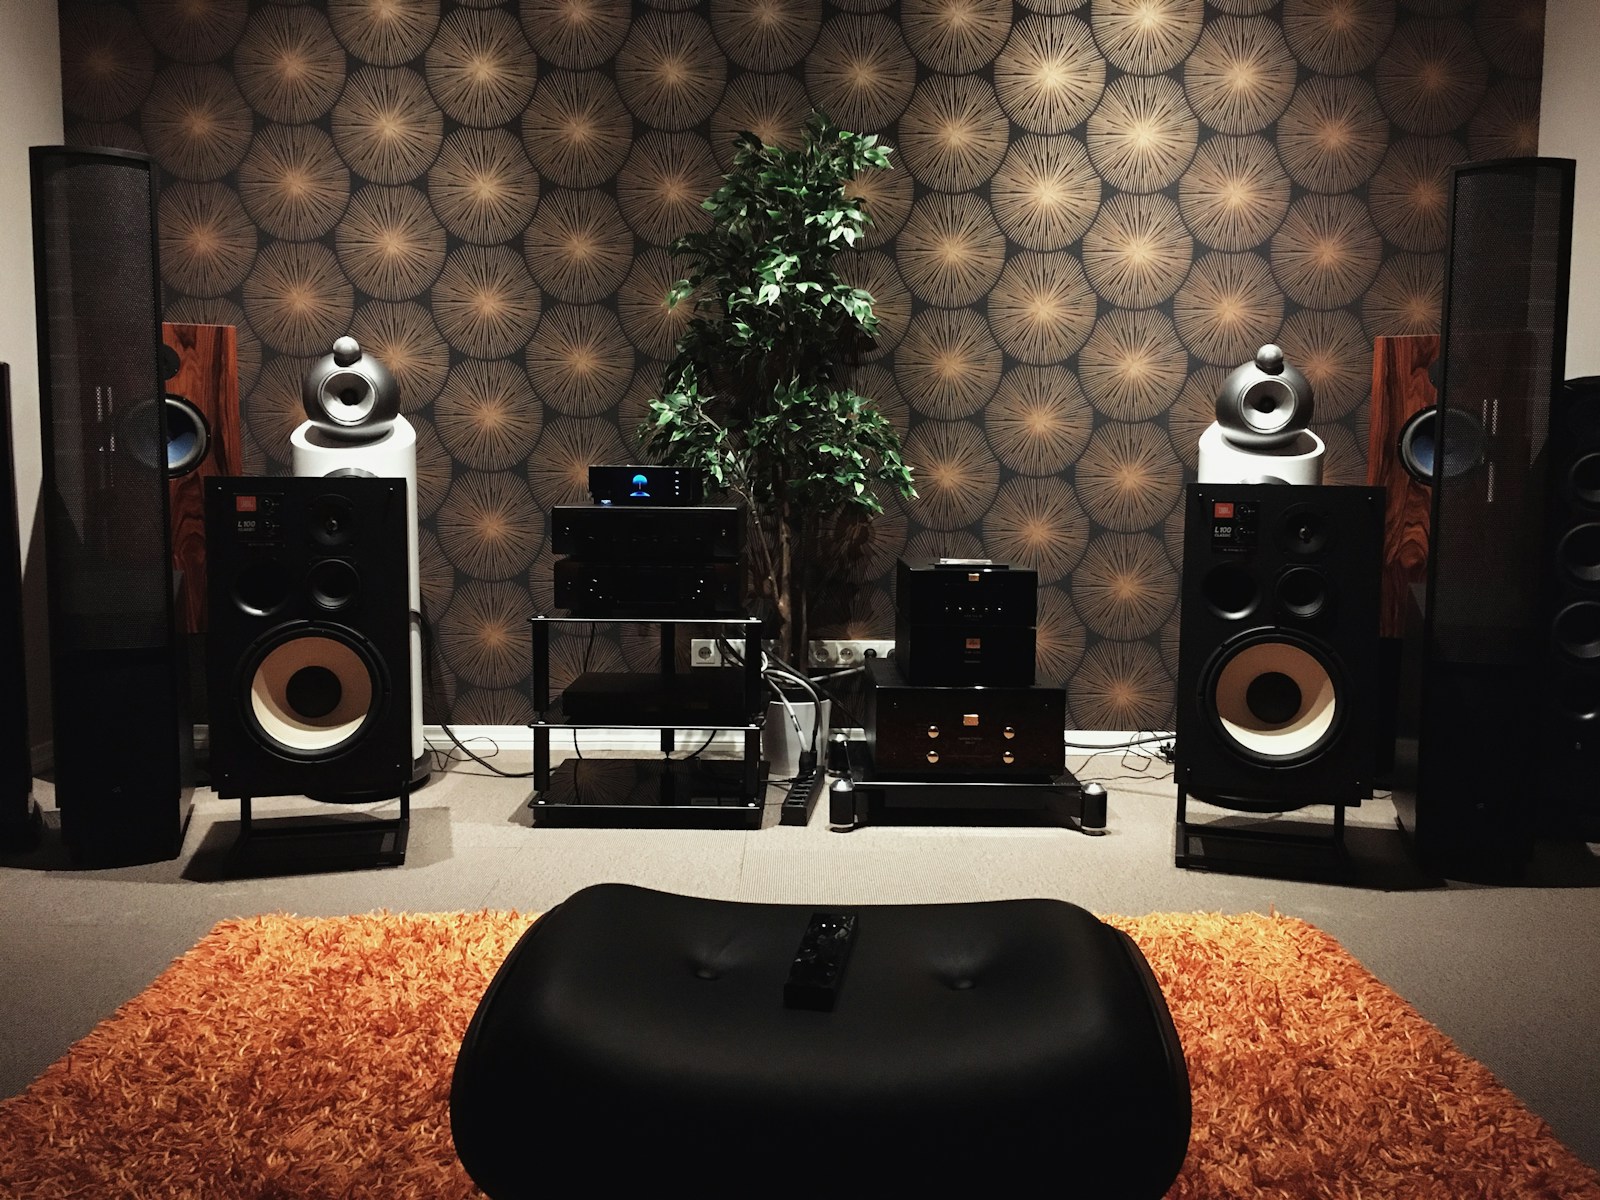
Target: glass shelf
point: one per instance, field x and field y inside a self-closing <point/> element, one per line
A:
<point x="651" y="792"/>
<point x="667" y="699"/>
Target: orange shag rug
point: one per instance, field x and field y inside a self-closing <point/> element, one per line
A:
<point x="294" y="1058"/>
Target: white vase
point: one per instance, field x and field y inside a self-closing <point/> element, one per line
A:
<point x="781" y="747"/>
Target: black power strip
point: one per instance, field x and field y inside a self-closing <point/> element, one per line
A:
<point x="801" y="796"/>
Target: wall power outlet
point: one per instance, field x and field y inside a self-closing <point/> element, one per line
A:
<point x="849" y="652"/>
<point x="825" y="652"/>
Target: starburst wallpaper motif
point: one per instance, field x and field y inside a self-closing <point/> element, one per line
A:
<point x="1098" y="208"/>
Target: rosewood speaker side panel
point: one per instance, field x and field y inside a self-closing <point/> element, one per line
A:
<point x="207" y="377"/>
<point x="1401" y="387"/>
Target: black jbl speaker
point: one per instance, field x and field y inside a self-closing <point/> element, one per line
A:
<point x="309" y="668"/>
<point x="1569" y="754"/>
<point x="1278" y="645"/>
<point x="122" y="738"/>
<point x="1482" y="651"/>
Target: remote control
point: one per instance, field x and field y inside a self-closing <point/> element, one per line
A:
<point x="819" y="963"/>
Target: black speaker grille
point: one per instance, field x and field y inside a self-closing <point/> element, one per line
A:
<point x="16" y="775"/>
<point x="1504" y="340"/>
<point x="106" y="502"/>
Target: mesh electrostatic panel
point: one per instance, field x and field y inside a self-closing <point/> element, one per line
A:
<point x="105" y="486"/>
<point x="1504" y="340"/>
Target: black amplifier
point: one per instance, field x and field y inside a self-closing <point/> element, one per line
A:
<point x="711" y="533"/>
<point x="952" y="591"/>
<point x="649" y="591"/>
<point x="703" y="696"/>
<point x="966" y="655"/>
<point x="966" y="622"/>
<point x="636" y="484"/>
<point x="967" y="734"/>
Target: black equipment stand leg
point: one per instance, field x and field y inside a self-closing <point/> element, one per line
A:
<point x="1180" y="841"/>
<point x="393" y="834"/>
<point x="1324" y="856"/>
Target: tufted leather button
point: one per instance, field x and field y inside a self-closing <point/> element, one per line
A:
<point x="961" y="985"/>
<point x="707" y="972"/>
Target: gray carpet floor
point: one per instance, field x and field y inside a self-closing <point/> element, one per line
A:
<point x="1512" y="974"/>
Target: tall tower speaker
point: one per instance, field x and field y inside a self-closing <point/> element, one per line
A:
<point x="1569" y="725"/>
<point x="309" y="637"/>
<point x="122" y="740"/>
<point x="1278" y="647"/>
<point x="1463" y="790"/>
<point x="19" y="816"/>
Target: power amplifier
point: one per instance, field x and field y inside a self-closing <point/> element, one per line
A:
<point x="960" y="733"/>
<point x="649" y="591"/>
<point x="709" y="533"/>
<point x="972" y="655"/>
<point x="710" y="696"/>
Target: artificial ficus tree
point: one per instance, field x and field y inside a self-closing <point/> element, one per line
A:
<point x="757" y="395"/>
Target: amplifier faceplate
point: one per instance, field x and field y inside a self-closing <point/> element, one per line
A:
<point x="966" y="655"/>
<point x="963" y="732"/>
<point x="708" y="533"/>
<point x="942" y="592"/>
<point x="649" y="591"/>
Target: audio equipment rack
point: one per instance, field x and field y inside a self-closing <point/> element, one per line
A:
<point x="694" y="792"/>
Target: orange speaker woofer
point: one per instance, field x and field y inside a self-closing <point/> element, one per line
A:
<point x="312" y="692"/>
<point x="1275" y="699"/>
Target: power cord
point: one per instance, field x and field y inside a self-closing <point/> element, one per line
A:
<point x="425" y="628"/>
<point x="1163" y="753"/>
<point x="479" y="759"/>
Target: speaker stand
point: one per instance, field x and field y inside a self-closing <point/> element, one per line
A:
<point x="1257" y="849"/>
<point x="341" y="842"/>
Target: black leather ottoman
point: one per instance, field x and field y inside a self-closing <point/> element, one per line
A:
<point x="640" y="1036"/>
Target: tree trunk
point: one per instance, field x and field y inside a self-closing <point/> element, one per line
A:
<point x="782" y="583"/>
<point x="799" y="623"/>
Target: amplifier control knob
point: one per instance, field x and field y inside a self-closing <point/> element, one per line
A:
<point x="1009" y="733"/>
<point x="1008" y="757"/>
<point x="933" y="731"/>
<point x="933" y="756"/>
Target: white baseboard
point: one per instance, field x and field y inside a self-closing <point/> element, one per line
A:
<point x="648" y="741"/>
<point x="520" y="737"/>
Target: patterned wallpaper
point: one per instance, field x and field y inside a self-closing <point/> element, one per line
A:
<point x="1099" y="208"/>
